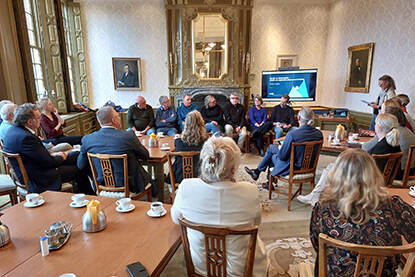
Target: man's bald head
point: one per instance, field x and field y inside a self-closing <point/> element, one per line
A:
<point x="107" y="116"/>
<point x="141" y="102"/>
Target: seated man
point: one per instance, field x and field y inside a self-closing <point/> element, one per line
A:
<point x="140" y="117"/>
<point x="166" y="117"/>
<point x="2" y="103"/>
<point x="282" y="117"/>
<point x="185" y="108"/>
<point x="46" y="171"/>
<point x="111" y="140"/>
<point x="6" y="114"/>
<point x="279" y="158"/>
<point x="213" y="116"/>
<point x="235" y="120"/>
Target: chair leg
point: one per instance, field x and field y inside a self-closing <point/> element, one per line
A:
<point x="312" y="185"/>
<point x="247" y="144"/>
<point x="13" y="197"/>
<point x="290" y="191"/>
<point x="270" y="181"/>
<point x="149" y="196"/>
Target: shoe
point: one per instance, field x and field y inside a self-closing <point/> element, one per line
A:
<point x="306" y="199"/>
<point x="261" y="152"/>
<point x="252" y="173"/>
<point x="266" y="186"/>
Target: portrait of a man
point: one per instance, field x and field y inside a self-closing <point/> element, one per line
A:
<point x="359" y="68"/>
<point x="127" y="73"/>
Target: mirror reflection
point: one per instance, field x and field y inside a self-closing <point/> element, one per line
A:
<point x="210" y="44"/>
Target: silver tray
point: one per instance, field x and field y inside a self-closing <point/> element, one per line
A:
<point x="62" y="242"/>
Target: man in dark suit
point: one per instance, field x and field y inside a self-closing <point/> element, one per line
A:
<point x="129" y="78"/>
<point x="111" y="140"/>
<point x="46" y="171"/>
<point x="280" y="158"/>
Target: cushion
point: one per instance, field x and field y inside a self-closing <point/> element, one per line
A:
<point x="67" y="187"/>
<point x="299" y="176"/>
<point x="398" y="183"/>
<point x="6" y="183"/>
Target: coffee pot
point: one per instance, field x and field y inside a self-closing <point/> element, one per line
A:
<point x="94" y="219"/>
<point x="4" y="234"/>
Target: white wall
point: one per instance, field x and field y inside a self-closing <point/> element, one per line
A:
<point x="289" y="27"/>
<point x="390" y="25"/>
<point x="128" y="28"/>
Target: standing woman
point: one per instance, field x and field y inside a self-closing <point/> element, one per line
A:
<point x="387" y="86"/>
<point x="259" y="125"/>
<point x="52" y="124"/>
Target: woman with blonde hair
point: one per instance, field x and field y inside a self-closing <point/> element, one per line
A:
<point x="356" y="208"/>
<point x="192" y="138"/>
<point x="217" y="199"/>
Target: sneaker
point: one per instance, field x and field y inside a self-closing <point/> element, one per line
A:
<point x="253" y="173"/>
<point x="306" y="199"/>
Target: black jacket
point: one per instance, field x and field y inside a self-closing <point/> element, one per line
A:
<point x="213" y="114"/>
<point x="283" y="115"/>
<point x="235" y="115"/>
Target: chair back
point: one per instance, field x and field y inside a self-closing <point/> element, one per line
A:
<point x="311" y="155"/>
<point x="370" y="259"/>
<point x="11" y="170"/>
<point x="389" y="165"/>
<point x="109" y="183"/>
<point x="187" y="166"/>
<point x="215" y="247"/>
<point x="406" y="174"/>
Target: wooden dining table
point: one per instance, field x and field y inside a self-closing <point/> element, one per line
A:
<point x="127" y="238"/>
<point x="157" y="160"/>
<point x="329" y="148"/>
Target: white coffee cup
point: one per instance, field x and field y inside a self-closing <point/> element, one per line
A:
<point x="355" y="135"/>
<point x="412" y="189"/>
<point x="330" y="137"/>
<point x="318" y="128"/>
<point x="165" y="145"/>
<point x="33" y="198"/>
<point x="336" y="141"/>
<point x="157" y="207"/>
<point x="176" y="136"/>
<point x="124" y="203"/>
<point x="160" y="134"/>
<point x="351" y="138"/>
<point x="78" y="198"/>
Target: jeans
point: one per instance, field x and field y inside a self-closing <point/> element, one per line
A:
<point x="230" y="132"/>
<point x="170" y="131"/>
<point x="267" y="159"/>
<point x="372" y="124"/>
<point x="279" y="131"/>
<point x="214" y="129"/>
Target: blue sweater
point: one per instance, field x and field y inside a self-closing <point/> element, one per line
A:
<point x="257" y="116"/>
<point x="169" y="115"/>
<point x="182" y="111"/>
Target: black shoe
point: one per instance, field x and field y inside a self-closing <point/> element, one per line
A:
<point x="252" y="173"/>
<point x="261" y="152"/>
<point x="266" y="186"/>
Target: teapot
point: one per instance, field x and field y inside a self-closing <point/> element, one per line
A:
<point x="340" y="132"/>
<point x="4" y="234"/>
<point x="94" y="219"/>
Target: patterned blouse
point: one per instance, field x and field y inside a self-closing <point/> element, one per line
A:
<point x="385" y="227"/>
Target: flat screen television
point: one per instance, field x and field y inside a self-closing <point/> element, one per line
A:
<point x="300" y="85"/>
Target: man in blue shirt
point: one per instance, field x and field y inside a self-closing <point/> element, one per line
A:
<point x="6" y="113"/>
<point x="166" y="117"/>
<point x="185" y="108"/>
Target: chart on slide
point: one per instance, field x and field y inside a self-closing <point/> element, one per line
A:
<point x="294" y="87"/>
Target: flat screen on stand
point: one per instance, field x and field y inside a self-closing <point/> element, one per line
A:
<point x="300" y="85"/>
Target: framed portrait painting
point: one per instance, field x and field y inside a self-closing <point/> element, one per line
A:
<point x="359" y="67"/>
<point x="288" y="60"/>
<point x="127" y="73"/>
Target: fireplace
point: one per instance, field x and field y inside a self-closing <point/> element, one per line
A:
<point x="198" y="94"/>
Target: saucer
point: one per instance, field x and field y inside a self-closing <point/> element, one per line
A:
<point x="152" y="214"/>
<point x="164" y="148"/>
<point x="39" y="203"/>
<point x="161" y="136"/>
<point x="335" y="144"/>
<point x="74" y="205"/>
<point x="412" y="193"/>
<point x="118" y="209"/>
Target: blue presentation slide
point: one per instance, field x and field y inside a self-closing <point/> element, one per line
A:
<point x="292" y="84"/>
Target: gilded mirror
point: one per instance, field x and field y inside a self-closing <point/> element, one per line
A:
<point x="210" y="46"/>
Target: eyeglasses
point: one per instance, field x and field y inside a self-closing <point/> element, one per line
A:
<point x="234" y="97"/>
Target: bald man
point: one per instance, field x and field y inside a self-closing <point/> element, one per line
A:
<point x="140" y="117"/>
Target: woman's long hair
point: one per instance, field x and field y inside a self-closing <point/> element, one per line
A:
<point x="194" y="129"/>
<point x="355" y="185"/>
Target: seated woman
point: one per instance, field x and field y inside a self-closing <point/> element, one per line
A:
<point x="355" y="208"/>
<point x="388" y="142"/>
<point x="216" y="199"/>
<point x="192" y="138"/>
<point x="259" y="125"/>
<point x="52" y="124"/>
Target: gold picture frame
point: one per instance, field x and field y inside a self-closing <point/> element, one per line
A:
<point x="359" y="67"/>
<point x="131" y="81"/>
<point x="287" y="60"/>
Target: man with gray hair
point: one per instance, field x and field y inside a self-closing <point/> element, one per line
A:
<point x="235" y="120"/>
<point x="2" y="103"/>
<point x="6" y="114"/>
<point x="213" y="116"/>
<point x="111" y="140"/>
<point x="46" y="171"/>
<point x="279" y="157"/>
<point x="166" y="117"/>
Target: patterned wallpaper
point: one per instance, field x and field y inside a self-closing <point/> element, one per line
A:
<point x="128" y="28"/>
<point x="387" y="23"/>
<point x="289" y="27"/>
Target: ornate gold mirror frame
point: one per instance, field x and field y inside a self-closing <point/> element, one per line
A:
<point x="207" y="45"/>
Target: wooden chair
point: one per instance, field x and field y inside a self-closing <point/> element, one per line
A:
<point x="22" y="189"/>
<point x="307" y="172"/>
<point x="369" y="258"/>
<point x="187" y="166"/>
<point x="392" y="163"/>
<point x="215" y="247"/>
<point x="7" y="185"/>
<point x="108" y="188"/>
<point x="267" y="136"/>
<point x="407" y="177"/>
